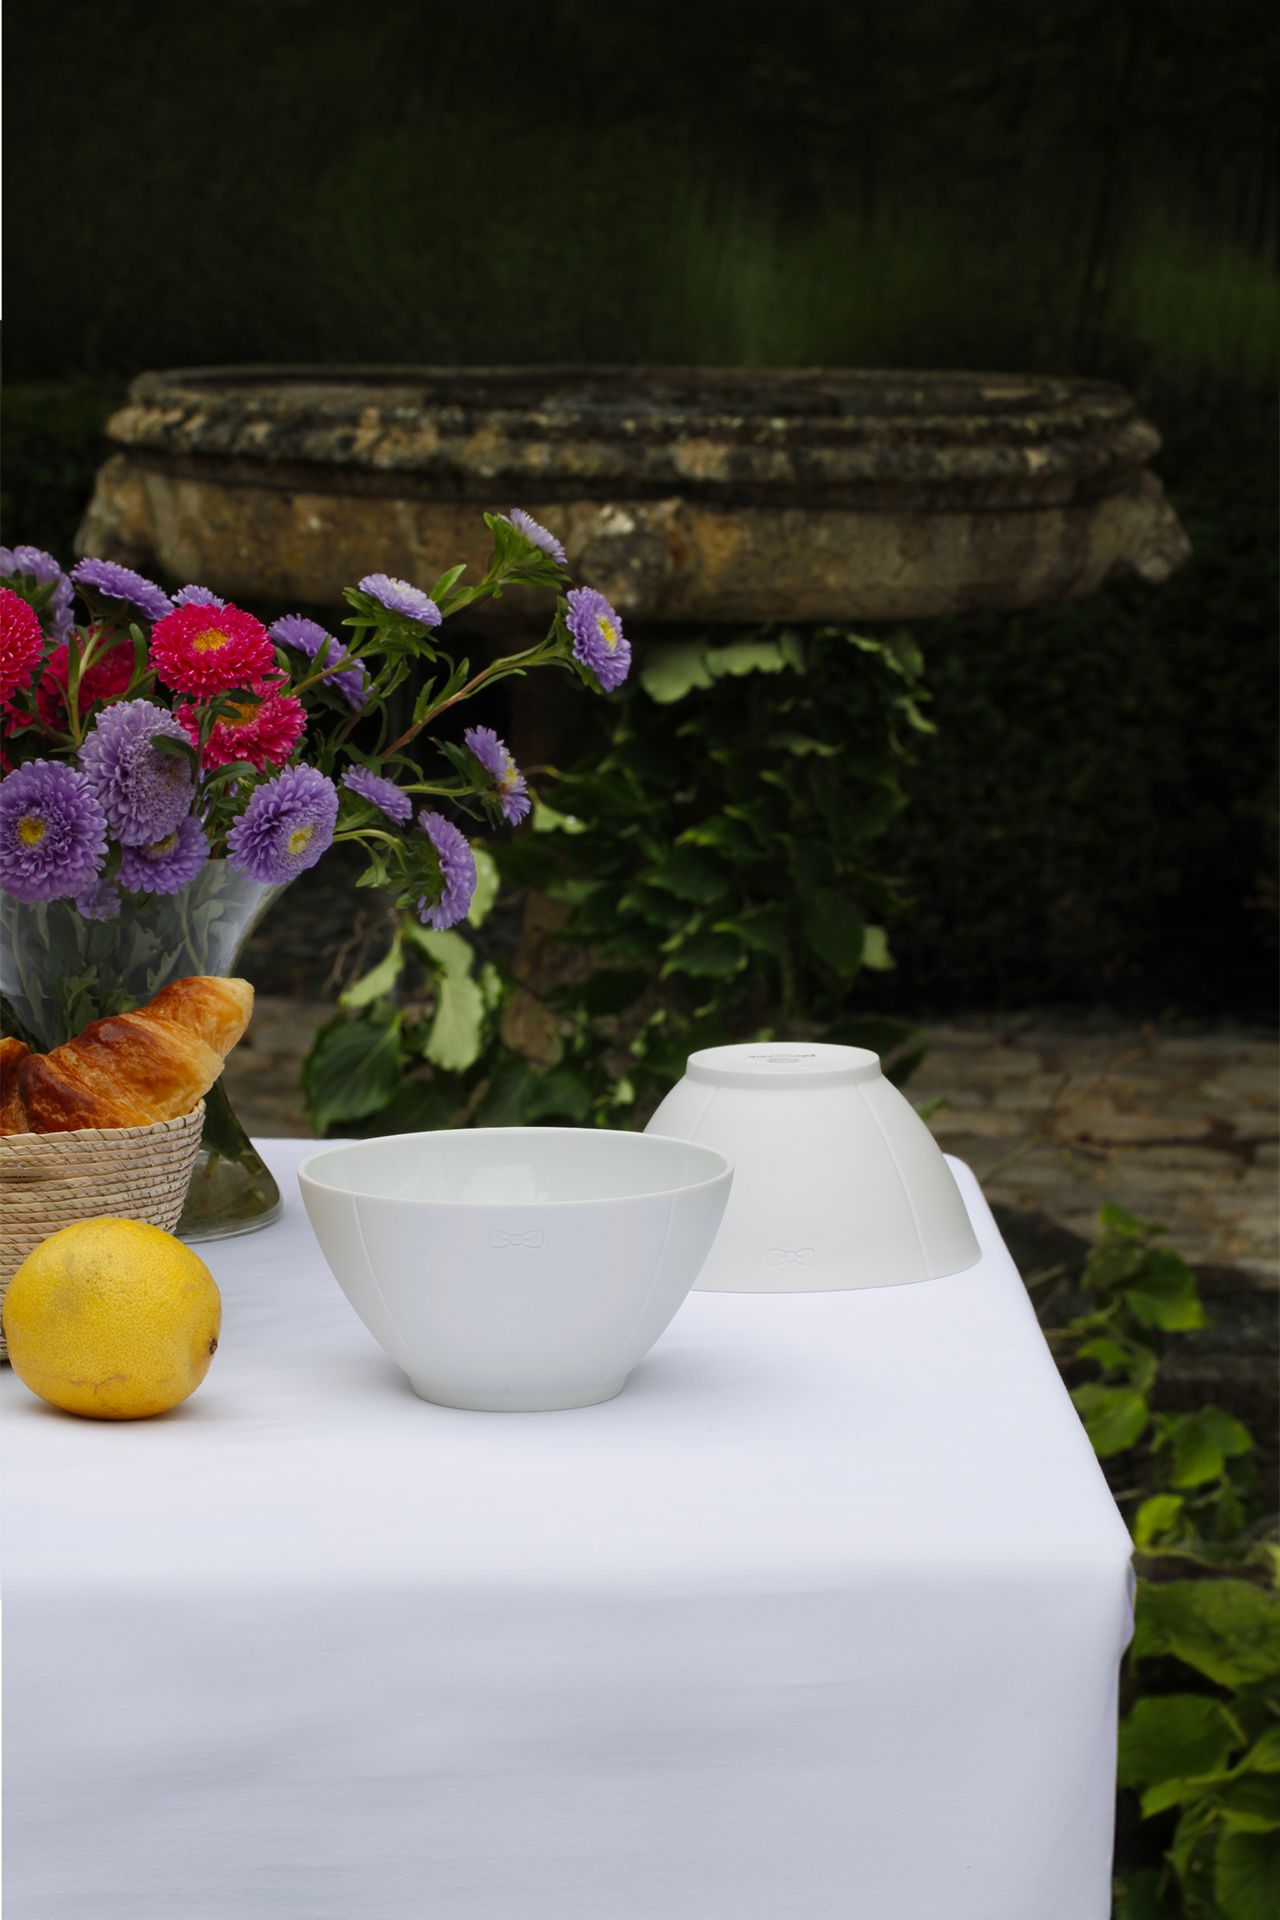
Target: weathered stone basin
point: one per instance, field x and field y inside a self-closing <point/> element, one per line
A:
<point x="684" y="494"/>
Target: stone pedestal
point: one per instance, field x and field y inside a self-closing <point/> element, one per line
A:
<point x="685" y="495"/>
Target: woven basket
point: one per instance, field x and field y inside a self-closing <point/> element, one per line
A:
<point x="51" y="1180"/>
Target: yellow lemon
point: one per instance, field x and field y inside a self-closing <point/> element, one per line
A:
<point x="112" y="1318"/>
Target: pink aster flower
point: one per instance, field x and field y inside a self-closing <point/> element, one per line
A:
<point x="202" y="649"/>
<point x="106" y="680"/>
<point x="265" y="732"/>
<point x="509" y="783"/>
<point x="21" y="642"/>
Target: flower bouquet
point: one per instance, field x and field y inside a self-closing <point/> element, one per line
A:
<point x="170" y="763"/>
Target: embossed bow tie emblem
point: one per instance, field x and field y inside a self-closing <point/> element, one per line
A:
<point x="533" y="1239"/>
<point x="790" y="1256"/>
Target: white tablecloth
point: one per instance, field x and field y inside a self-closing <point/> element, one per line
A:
<point x="821" y="1617"/>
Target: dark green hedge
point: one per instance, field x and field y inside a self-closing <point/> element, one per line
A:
<point x="1096" y="818"/>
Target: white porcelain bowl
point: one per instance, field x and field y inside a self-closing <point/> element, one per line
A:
<point x="516" y="1269"/>
<point x="838" y="1184"/>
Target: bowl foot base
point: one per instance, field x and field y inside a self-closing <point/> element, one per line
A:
<point x="518" y="1402"/>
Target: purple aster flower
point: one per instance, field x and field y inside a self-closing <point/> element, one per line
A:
<point x="457" y="870"/>
<point x="99" y="901"/>
<point x="306" y="636"/>
<point x="384" y="793"/>
<point x="285" y="828"/>
<point x="535" y="534"/>
<point x="397" y="596"/>
<point x="144" y="792"/>
<point x="197" y="597"/>
<point x="494" y="757"/>
<point x="598" y="639"/>
<point x="53" y="832"/>
<point x="168" y="864"/>
<point x="14" y="560"/>
<point x="122" y="583"/>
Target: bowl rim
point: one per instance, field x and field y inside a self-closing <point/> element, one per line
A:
<point x="724" y="1171"/>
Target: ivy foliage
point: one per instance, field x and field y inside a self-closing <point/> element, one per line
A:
<point x="1193" y="1478"/>
<point x="711" y="872"/>
<point x="1200" y="1741"/>
<point x="1208" y="1753"/>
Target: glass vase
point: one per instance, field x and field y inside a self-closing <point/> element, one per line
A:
<point x="59" y="971"/>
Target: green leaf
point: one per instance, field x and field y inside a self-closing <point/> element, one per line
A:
<point x="180" y="749"/>
<point x="1250" y="1801"/>
<point x="714" y="956"/>
<point x="454" y="1040"/>
<point x="1163" y="1292"/>
<point x="1168" y="1793"/>
<point x="445" y="581"/>
<point x="1158" y="1519"/>
<point x="488" y="881"/>
<point x="1112" y="1214"/>
<point x="763" y="929"/>
<point x="456" y="1032"/>
<point x="875" y="950"/>
<point x="802" y="744"/>
<point x="672" y="672"/>
<point x="419" y="1106"/>
<point x="351" y="1071"/>
<point x="726" y="835"/>
<point x="547" y="820"/>
<point x="1114" y="1417"/>
<point x="505" y="1102"/>
<point x="690" y="873"/>
<point x="836" y="930"/>
<point x="1137" y="1896"/>
<point x="448" y="950"/>
<point x="609" y="990"/>
<point x="1228" y="1630"/>
<point x="1107" y="1353"/>
<point x="559" y="1092"/>
<point x="1264" y="1756"/>
<point x="746" y="656"/>
<point x="1246" y="1876"/>
<point x="1190" y="1855"/>
<point x="1200" y="1443"/>
<point x="378" y="983"/>
<point x="1173" y="1735"/>
<point x="1112" y="1263"/>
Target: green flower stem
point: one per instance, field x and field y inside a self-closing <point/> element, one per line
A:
<point x="351" y="658"/>
<point x="367" y="833"/>
<point x="79" y="660"/>
<point x="500" y="670"/>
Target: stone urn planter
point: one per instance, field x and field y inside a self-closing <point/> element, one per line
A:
<point x="686" y="495"/>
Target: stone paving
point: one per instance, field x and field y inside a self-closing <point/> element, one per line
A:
<point x="261" y="1074"/>
<point x="1059" y="1117"/>
<point x="1055" y="1117"/>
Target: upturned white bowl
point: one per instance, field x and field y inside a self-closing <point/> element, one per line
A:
<point x="516" y="1269"/>
<point x="839" y="1182"/>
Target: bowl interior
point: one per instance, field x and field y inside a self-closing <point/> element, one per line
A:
<point x="514" y="1166"/>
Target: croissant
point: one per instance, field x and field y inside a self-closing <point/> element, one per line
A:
<point x="129" y="1069"/>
